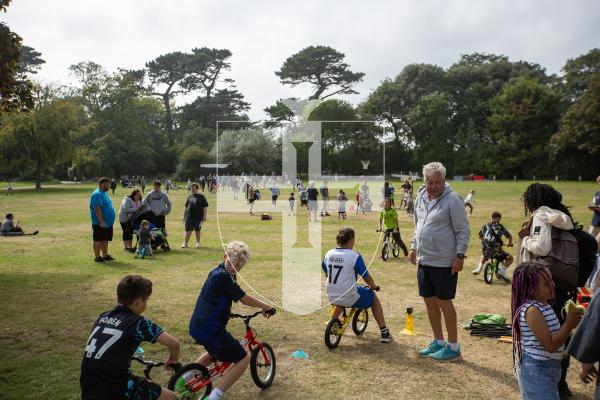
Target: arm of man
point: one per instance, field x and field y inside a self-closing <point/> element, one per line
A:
<point x="172" y="343"/>
<point x="98" y="212"/>
<point x="462" y="232"/>
<point x="168" y="204"/>
<point x="539" y="241"/>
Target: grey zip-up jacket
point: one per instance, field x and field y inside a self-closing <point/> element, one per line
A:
<point x="157" y="202"/>
<point x="443" y="231"/>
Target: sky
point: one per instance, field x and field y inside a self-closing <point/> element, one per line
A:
<point x="378" y="38"/>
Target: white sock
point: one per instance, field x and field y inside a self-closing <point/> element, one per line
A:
<point x="453" y="346"/>
<point x="216" y="394"/>
<point x="441" y="342"/>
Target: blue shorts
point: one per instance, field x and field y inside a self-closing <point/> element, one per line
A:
<point x="224" y="347"/>
<point x="437" y="282"/>
<point x="367" y="296"/>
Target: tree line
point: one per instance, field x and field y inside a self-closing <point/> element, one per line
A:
<point x="485" y="114"/>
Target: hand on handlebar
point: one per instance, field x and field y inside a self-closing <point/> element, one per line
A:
<point x="268" y="313"/>
<point x="375" y="288"/>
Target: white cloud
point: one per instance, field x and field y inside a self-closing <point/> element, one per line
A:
<point x="378" y="37"/>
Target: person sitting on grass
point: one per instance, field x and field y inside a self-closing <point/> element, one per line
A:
<point x="538" y="337"/>
<point x="144" y="240"/>
<point x="342" y="266"/>
<point x="211" y="314"/>
<point x="389" y="218"/>
<point x="491" y="245"/>
<point x="115" y="336"/>
<point x="9" y="228"/>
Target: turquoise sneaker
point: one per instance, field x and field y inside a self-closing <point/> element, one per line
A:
<point x="446" y="354"/>
<point x="431" y="348"/>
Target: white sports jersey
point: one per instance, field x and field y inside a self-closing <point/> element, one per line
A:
<point x="342" y="267"/>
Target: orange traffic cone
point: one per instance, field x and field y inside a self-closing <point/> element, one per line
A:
<point x="410" y="323"/>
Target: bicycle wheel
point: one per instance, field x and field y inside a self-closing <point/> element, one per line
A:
<point x="263" y="366"/>
<point x="488" y="272"/>
<point x="188" y="373"/>
<point x="385" y="251"/>
<point x="332" y="335"/>
<point x="360" y="320"/>
<point x="395" y="250"/>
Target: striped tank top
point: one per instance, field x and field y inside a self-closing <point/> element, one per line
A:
<point x="531" y="346"/>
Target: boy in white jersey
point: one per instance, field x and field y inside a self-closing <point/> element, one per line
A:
<point x="342" y="266"/>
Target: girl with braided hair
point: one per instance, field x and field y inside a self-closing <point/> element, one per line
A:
<point x="543" y="205"/>
<point x="538" y="337"/>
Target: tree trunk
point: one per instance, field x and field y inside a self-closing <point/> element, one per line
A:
<point x="168" y="119"/>
<point x="206" y="109"/>
<point x="38" y="176"/>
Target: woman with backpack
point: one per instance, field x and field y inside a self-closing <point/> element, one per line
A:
<point x="543" y="205"/>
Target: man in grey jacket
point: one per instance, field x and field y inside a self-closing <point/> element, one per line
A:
<point x="439" y="245"/>
<point x="158" y="202"/>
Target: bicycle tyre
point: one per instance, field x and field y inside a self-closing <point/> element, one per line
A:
<point x="488" y="273"/>
<point x="175" y="381"/>
<point x="332" y="329"/>
<point x="360" y="320"/>
<point x="385" y="253"/>
<point x="254" y="358"/>
<point x="396" y="250"/>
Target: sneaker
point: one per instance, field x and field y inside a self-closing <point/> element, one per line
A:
<point x="386" y="338"/>
<point x="35" y="232"/>
<point x="99" y="259"/>
<point x="183" y="245"/>
<point x="445" y="354"/>
<point x="502" y="274"/>
<point x="108" y="258"/>
<point x="477" y="270"/>
<point x="431" y="348"/>
<point x="197" y="245"/>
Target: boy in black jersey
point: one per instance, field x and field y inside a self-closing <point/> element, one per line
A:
<point x="115" y="336"/>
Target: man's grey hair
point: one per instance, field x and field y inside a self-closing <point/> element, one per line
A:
<point x="434" y="168"/>
<point x="238" y="253"/>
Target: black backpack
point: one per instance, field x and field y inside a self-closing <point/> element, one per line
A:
<point x="588" y="248"/>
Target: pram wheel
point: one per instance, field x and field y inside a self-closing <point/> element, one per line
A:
<point x="165" y="248"/>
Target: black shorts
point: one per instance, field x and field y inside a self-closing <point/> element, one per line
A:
<point x="127" y="231"/>
<point x="192" y="224"/>
<point x="437" y="282"/>
<point x="496" y="252"/>
<point x="142" y="389"/>
<point x="225" y="348"/>
<point x="102" y="234"/>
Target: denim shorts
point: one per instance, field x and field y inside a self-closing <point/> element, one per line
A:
<point x="538" y="379"/>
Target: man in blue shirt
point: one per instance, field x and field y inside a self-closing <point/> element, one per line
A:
<point x="103" y="218"/>
<point x="211" y="314"/>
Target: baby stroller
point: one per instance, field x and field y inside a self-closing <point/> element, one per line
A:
<point x="303" y="198"/>
<point x="159" y="235"/>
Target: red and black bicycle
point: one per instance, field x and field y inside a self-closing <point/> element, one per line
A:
<point x="194" y="381"/>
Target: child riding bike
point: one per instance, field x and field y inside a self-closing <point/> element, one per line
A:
<point x="211" y="314"/>
<point x="115" y="337"/>
<point x="491" y="245"/>
<point x="342" y="265"/>
<point x="389" y="218"/>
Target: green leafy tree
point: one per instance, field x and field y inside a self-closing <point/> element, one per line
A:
<point x="524" y="117"/>
<point x="578" y="72"/>
<point x="323" y="68"/>
<point x="279" y="112"/>
<point x="190" y="160"/>
<point x="40" y="139"/>
<point x="225" y="105"/>
<point x="391" y="102"/>
<point x="576" y="146"/>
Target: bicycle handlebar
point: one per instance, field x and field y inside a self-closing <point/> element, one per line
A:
<point x="148" y="363"/>
<point x="272" y="311"/>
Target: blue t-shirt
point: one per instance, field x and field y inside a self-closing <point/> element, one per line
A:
<point x="213" y="306"/>
<point x="596" y="219"/>
<point x="101" y="199"/>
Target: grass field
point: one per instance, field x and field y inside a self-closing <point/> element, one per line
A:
<point x="51" y="291"/>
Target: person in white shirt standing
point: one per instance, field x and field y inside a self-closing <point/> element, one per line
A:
<point x="469" y="201"/>
<point x="342" y="266"/>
